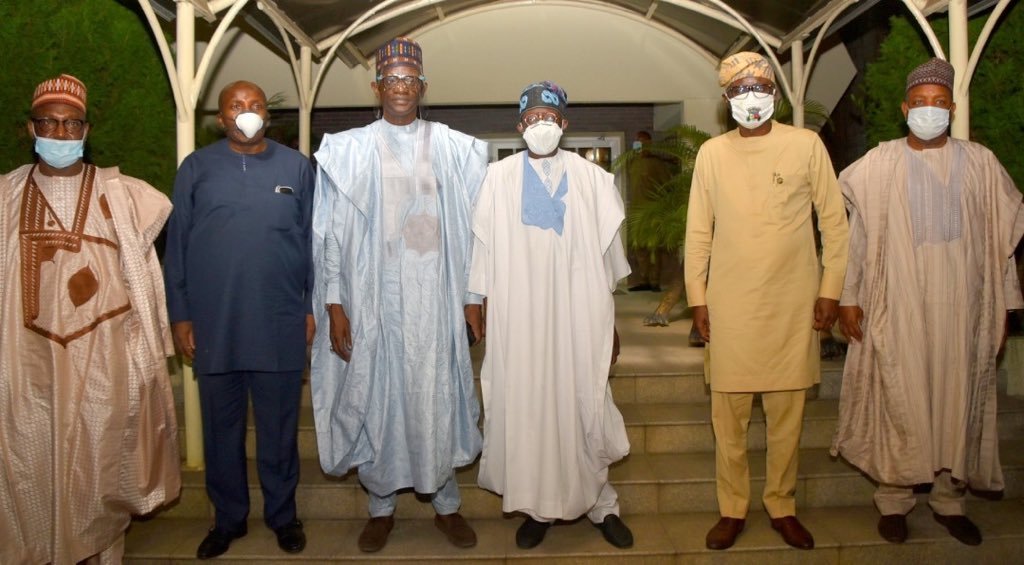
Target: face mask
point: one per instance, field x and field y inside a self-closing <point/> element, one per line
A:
<point x="750" y="111"/>
<point x="638" y="145"/>
<point x="928" y="122"/>
<point x="249" y="122"/>
<point x="60" y="153"/>
<point x="542" y="137"/>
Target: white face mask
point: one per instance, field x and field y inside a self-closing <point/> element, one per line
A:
<point x="750" y="111"/>
<point x="928" y="122"/>
<point x="542" y="137"/>
<point x="249" y="123"/>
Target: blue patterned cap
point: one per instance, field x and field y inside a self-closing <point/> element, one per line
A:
<point x="544" y="94"/>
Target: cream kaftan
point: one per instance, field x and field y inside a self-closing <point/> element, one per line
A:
<point x="750" y="255"/>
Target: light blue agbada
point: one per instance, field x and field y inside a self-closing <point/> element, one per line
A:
<point x="404" y="410"/>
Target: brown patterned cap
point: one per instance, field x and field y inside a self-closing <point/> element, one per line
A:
<point x="742" y="65"/>
<point x="932" y="71"/>
<point x="64" y="89"/>
<point x="399" y="51"/>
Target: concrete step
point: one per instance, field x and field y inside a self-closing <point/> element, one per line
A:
<point x="685" y="427"/>
<point x="842" y="535"/>
<point x="646" y="483"/>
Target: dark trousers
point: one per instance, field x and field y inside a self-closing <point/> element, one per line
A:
<point x="223" y="398"/>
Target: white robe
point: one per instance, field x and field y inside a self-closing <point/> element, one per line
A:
<point x="551" y="427"/>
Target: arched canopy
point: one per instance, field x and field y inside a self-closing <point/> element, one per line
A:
<point x="304" y="31"/>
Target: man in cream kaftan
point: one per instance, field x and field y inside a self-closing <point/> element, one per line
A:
<point x="392" y="380"/>
<point x="548" y="256"/>
<point x="933" y="224"/>
<point x="87" y="428"/>
<point x="752" y="278"/>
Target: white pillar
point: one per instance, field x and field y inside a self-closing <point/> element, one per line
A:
<point x="186" y="66"/>
<point x="959" y="54"/>
<point x="305" y="85"/>
<point x="797" y="80"/>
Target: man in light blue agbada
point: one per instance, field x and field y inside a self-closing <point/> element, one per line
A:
<point x="392" y="380"/>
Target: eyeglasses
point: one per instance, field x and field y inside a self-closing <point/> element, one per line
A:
<point x="410" y="81"/>
<point x="759" y="89"/>
<point x="549" y="118"/>
<point x="47" y="126"/>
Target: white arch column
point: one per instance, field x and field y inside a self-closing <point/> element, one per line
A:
<point x="963" y="58"/>
<point x="186" y="84"/>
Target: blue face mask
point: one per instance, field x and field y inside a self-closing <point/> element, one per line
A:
<point x="60" y="153"/>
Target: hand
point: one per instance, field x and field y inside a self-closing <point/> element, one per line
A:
<point x="826" y="310"/>
<point x="850" y="319"/>
<point x="474" y="314"/>
<point x="702" y="321"/>
<point x="184" y="340"/>
<point x="341" y="332"/>
<point x="615" y="345"/>
<point x="310" y="329"/>
<point x="1006" y="333"/>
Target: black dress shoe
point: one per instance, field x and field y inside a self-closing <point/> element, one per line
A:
<point x="616" y="532"/>
<point x="723" y="534"/>
<point x="216" y="542"/>
<point x="793" y="532"/>
<point x="531" y="533"/>
<point x="893" y="528"/>
<point x="640" y="287"/>
<point x="960" y="527"/>
<point x="290" y="537"/>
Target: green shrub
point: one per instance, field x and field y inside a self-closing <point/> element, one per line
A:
<point x="997" y="116"/>
<point x="109" y="46"/>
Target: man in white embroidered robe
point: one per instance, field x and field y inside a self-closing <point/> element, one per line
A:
<point x="548" y="256"/>
<point x="87" y="428"/>
<point x="933" y="225"/>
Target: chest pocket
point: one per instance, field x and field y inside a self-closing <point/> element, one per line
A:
<point x="282" y="207"/>
<point x="789" y="192"/>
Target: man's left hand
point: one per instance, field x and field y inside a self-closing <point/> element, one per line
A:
<point x="310" y="329"/>
<point x="475" y="318"/>
<point x="826" y="311"/>
<point x="615" y="345"/>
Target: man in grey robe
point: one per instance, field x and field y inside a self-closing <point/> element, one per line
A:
<point x="392" y="381"/>
<point x="933" y="225"/>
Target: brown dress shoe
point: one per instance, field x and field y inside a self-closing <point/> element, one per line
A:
<point x="375" y="534"/>
<point x="893" y="528"/>
<point x="456" y="529"/>
<point x="724" y="533"/>
<point x="793" y="532"/>
<point x="961" y="527"/>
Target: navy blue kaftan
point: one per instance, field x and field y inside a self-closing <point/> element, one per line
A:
<point x="238" y="260"/>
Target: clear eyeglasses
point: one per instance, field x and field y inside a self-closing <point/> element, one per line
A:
<point x="760" y="90"/>
<point x="47" y="126"/>
<point x="412" y="82"/>
<point x="536" y="118"/>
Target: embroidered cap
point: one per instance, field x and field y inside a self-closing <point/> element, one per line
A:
<point x="932" y="71"/>
<point x="742" y="65"/>
<point x="544" y="94"/>
<point x="64" y="89"/>
<point x="399" y="51"/>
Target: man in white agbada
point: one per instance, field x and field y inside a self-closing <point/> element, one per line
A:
<point x="547" y="255"/>
<point x="933" y="225"/>
<point x="392" y="380"/>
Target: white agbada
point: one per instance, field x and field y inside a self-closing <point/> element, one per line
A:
<point x="551" y="427"/>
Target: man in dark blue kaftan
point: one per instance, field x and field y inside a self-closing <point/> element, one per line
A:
<point x="239" y="276"/>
